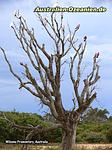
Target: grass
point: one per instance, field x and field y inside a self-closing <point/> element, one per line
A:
<point x="56" y="147"/>
<point x="10" y="147"/>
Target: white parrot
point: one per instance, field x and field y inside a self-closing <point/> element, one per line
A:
<point x="56" y="4"/>
<point x="77" y="27"/>
<point x="11" y="24"/>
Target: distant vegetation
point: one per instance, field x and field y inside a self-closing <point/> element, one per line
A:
<point x="95" y="127"/>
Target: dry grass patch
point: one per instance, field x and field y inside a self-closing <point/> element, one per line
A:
<point x="56" y="147"/>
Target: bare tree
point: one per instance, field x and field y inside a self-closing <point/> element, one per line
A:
<point x="49" y="72"/>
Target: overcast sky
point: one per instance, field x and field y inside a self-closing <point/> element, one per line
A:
<point x="97" y="26"/>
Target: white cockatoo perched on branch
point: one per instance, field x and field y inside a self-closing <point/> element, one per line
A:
<point x="56" y="4"/>
<point x="11" y="24"/>
<point x="63" y="27"/>
<point x="97" y="54"/>
<point x="77" y="27"/>
<point x="14" y="12"/>
<point x="17" y="13"/>
<point x="85" y="38"/>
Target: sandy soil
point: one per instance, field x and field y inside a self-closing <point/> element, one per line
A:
<point x="85" y="146"/>
<point x="94" y="146"/>
<point x="41" y="147"/>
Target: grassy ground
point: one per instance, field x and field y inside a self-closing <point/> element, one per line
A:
<point x="56" y="147"/>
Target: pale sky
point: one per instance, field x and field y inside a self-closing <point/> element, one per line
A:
<point x="97" y="26"/>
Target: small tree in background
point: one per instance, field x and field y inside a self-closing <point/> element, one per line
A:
<point x="48" y="68"/>
<point x="95" y="115"/>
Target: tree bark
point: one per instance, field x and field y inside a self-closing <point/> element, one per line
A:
<point x="69" y="139"/>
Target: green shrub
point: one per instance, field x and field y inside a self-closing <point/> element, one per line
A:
<point x="94" y="137"/>
<point x="109" y="135"/>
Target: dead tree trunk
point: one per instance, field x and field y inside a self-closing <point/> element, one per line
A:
<point x="28" y="138"/>
<point x="69" y="139"/>
<point x="24" y="147"/>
